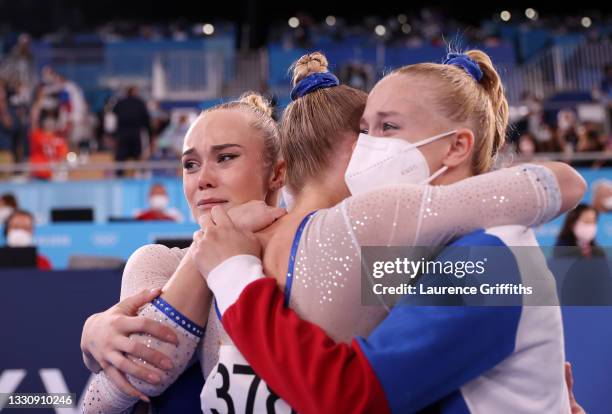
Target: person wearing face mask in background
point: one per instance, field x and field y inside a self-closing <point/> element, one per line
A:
<point x="8" y="204"/>
<point x="580" y="230"/>
<point x="19" y="232"/>
<point x="602" y="196"/>
<point x="158" y="206"/>
<point x="588" y="280"/>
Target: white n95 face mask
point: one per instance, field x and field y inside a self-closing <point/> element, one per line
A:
<point x="287" y="199"/>
<point x="379" y="162"/>
<point x="19" y="238"/>
<point x="159" y="202"/>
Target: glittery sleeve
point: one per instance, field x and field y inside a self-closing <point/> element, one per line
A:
<point x="433" y="215"/>
<point x="150" y="266"/>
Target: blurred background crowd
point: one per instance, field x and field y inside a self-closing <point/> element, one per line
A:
<point x="94" y="106"/>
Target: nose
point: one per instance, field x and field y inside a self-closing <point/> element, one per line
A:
<point x="207" y="177"/>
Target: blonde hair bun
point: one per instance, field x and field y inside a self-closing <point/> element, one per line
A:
<point x="315" y="62"/>
<point x="256" y="101"/>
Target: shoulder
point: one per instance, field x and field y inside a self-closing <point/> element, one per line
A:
<point x="150" y="267"/>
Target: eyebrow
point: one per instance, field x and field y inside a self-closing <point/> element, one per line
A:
<point x="224" y="146"/>
<point x="382" y="114"/>
<point x="216" y="148"/>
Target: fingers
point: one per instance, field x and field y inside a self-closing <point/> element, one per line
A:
<point x="277" y="212"/>
<point x="123" y="364"/>
<point x="137" y="349"/>
<point x="569" y="377"/>
<point x="140" y="324"/>
<point x="120" y="381"/>
<point x="205" y="221"/>
<point x="220" y="217"/>
<point x="132" y="303"/>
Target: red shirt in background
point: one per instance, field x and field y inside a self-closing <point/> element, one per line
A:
<point x="46" y="147"/>
<point x="42" y="263"/>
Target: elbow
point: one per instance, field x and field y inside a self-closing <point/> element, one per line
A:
<point x="572" y="186"/>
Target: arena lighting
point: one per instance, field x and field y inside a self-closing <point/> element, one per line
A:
<point x="294" y="22"/>
<point x="380" y="30"/>
<point x="208" y="29"/>
<point x="402" y="18"/>
<point x="586" y="22"/>
<point x="330" y="20"/>
<point x="406" y="28"/>
<point x="505" y="15"/>
<point x="531" y="14"/>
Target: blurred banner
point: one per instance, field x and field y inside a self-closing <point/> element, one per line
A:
<point x="42" y="317"/>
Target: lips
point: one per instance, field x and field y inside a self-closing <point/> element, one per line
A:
<point x="208" y="203"/>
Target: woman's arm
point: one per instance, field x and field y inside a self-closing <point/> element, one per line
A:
<point x="413" y="215"/>
<point x="149" y="263"/>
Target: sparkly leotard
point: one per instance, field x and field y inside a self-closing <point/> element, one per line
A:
<point x="326" y="286"/>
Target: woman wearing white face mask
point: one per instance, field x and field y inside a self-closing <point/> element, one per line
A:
<point x="19" y="232"/>
<point x="423" y="123"/>
<point x="159" y="206"/>
<point x="588" y="278"/>
<point x="579" y="230"/>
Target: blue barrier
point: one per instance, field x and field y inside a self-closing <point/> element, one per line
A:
<point x="43" y="314"/>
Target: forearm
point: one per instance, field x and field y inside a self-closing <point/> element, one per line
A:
<point x="187" y="292"/>
<point x="189" y="335"/>
<point x="183" y="306"/>
<point x="103" y="396"/>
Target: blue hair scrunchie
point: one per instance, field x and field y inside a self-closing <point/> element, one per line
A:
<point x="466" y="63"/>
<point x="312" y="83"/>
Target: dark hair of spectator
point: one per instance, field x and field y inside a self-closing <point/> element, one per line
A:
<point x="9" y="199"/>
<point x="566" y="236"/>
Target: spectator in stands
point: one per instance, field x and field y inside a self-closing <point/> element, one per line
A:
<point x="73" y="113"/>
<point x="8" y="204"/>
<point x="587" y="280"/>
<point x="602" y="196"/>
<point x="158" y="206"/>
<point x="8" y="124"/>
<point x="527" y="146"/>
<point x="169" y="145"/>
<point x="589" y="139"/>
<point x="132" y="120"/>
<point x="46" y="146"/>
<point x="579" y="230"/>
<point x="537" y="127"/>
<point x="567" y="130"/>
<point x="18" y="69"/>
<point x="19" y="232"/>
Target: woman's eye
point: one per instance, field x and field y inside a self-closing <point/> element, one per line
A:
<point x="387" y="126"/>
<point x="363" y="131"/>
<point x="189" y="165"/>
<point x="226" y="157"/>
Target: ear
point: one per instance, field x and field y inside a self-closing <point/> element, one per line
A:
<point x="276" y="182"/>
<point x="460" y="149"/>
<point x="277" y="177"/>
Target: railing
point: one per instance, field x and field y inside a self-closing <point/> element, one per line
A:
<point x="145" y="168"/>
<point x="559" y="69"/>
